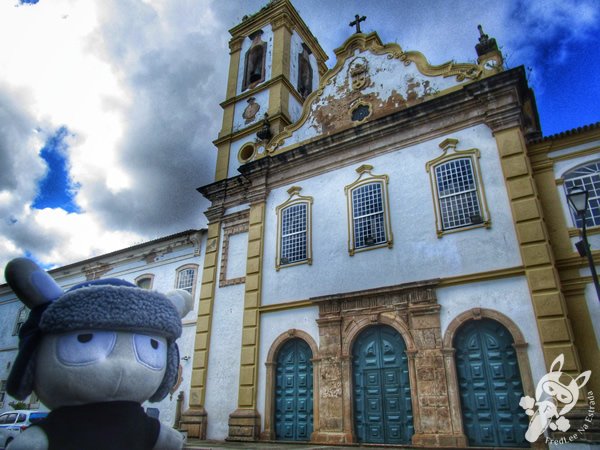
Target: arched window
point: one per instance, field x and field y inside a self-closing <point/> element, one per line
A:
<point x="254" y="63"/>
<point x="588" y="178"/>
<point x="186" y="278"/>
<point x="294" y="230"/>
<point x="305" y="72"/>
<point x="456" y="184"/>
<point x="144" y="281"/>
<point x="368" y="211"/>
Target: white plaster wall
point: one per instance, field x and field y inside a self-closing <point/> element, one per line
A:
<point x="294" y="108"/>
<point x="234" y="163"/>
<point x="509" y="296"/>
<point x="594" y="308"/>
<point x="224" y="355"/>
<point x="272" y="325"/>
<point x="260" y="98"/>
<point x="238" y="208"/>
<point x="223" y="375"/>
<point x="237" y="255"/>
<point x="267" y="37"/>
<point x="417" y="254"/>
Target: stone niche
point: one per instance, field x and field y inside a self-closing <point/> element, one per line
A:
<point x="412" y="310"/>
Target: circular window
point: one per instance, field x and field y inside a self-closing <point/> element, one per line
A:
<point x="361" y="112"/>
<point x="246" y="153"/>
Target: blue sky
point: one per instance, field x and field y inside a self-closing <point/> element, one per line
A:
<point x="109" y="108"/>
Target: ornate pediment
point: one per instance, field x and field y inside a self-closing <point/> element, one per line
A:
<point x="371" y="80"/>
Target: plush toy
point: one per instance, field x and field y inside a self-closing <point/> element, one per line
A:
<point x="93" y="354"/>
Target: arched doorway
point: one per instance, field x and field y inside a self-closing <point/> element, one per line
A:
<point x="294" y="391"/>
<point x="382" y="403"/>
<point x="490" y="385"/>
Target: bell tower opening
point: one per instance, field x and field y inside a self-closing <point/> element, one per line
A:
<point x="254" y="65"/>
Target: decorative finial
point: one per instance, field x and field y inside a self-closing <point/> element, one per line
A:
<point x="486" y="44"/>
<point x="356" y="22"/>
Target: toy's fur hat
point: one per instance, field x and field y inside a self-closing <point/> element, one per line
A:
<point x="108" y="304"/>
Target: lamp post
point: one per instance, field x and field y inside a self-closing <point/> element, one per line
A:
<point x="578" y="200"/>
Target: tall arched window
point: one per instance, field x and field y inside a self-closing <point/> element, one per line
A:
<point x="588" y="178"/>
<point x="294" y="230"/>
<point x="254" y="62"/>
<point x="368" y="211"/>
<point x="457" y="189"/>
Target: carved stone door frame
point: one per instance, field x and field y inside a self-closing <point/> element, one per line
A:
<point x="412" y="310"/>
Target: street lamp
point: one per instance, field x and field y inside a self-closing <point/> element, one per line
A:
<point x="578" y="200"/>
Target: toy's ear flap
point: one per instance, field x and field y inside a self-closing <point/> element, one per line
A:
<point x="181" y="300"/>
<point x="31" y="283"/>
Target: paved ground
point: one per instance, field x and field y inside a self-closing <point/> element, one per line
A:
<point x="213" y="445"/>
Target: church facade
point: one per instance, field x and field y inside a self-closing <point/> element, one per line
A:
<point x="390" y="254"/>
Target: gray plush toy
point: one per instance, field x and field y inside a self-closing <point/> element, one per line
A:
<point x="93" y="354"/>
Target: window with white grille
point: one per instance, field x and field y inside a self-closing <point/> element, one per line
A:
<point x="457" y="194"/>
<point x="586" y="177"/>
<point x="369" y="223"/>
<point x="293" y="230"/>
<point x="368" y="215"/>
<point x="293" y="233"/>
<point x="185" y="279"/>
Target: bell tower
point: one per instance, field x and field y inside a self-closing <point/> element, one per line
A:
<point x="275" y="64"/>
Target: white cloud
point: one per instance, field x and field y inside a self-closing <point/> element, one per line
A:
<point x="138" y="84"/>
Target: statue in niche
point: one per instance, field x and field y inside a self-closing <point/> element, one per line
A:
<point x="249" y="113"/>
<point x="305" y="72"/>
<point x="254" y="64"/>
<point x="359" y="72"/>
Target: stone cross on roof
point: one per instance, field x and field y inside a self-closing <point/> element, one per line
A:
<point x="356" y="22"/>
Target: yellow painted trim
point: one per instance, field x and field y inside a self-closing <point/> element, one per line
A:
<point x="294" y="199"/>
<point x="450" y="153"/>
<point x="204" y="318"/>
<point x="482" y="276"/>
<point x="366" y="177"/>
<point x="285" y="306"/>
<point x="576" y="154"/>
<point x="248" y="380"/>
<point x="576" y="232"/>
<point x="551" y="312"/>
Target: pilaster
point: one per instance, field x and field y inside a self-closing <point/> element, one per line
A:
<point x="549" y="305"/>
<point x="194" y="420"/>
<point x="244" y="422"/>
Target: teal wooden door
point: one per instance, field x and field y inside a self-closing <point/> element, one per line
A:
<point x="490" y="385"/>
<point x="294" y="392"/>
<point x="382" y="404"/>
